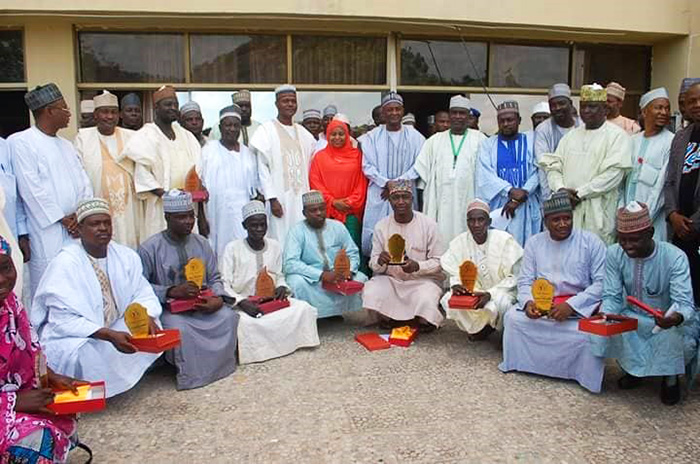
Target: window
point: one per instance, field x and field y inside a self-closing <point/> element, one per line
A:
<point x="339" y="60"/>
<point x="130" y="57"/>
<point x="260" y="59"/>
<point x="524" y="66"/>
<point x="628" y="65"/>
<point x="440" y="62"/>
<point x="11" y="56"/>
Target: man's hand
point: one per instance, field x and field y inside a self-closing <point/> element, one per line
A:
<point x="384" y="258"/>
<point x="25" y="247"/>
<point x="282" y="293"/>
<point x="459" y="290"/>
<point x="342" y="205"/>
<point x="185" y="291"/>
<point x="330" y="277"/>
<point x="385" y="193"/>
<point x="509" y="209"/>
<point x="531" y="310"/>
<point x="561" y="312"/>
<point x="159" y="192"/>
<point x="202" y="222"/>
<point x="667" y="322"/>
<point x="62" y="382"/>
<point x="70" y="222"/>
<point x="250" y="308"/>
<point x="410" y="267"/>
<point x="34" y="401"/>
<point x="209" y="304"/>
<point x="152" y="326"/>
<point x="519" y="195"/>
<point x="484" y="298"/>
<point x="121" y="341"/>
<point x="682" y="226"/>
<point x="276" y="208"/>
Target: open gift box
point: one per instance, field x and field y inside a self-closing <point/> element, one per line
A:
<point x="163" y="340"/>
<point x="607" y="325"/>
<point x="269" y="306"/>
<point x="90" y="398"/>
<point x="180" y="306"/>
<point x="347" y="287"/>
<point x="372" y="341"/>
<point x="403" y="336"/>
<point x="463" y="301"/>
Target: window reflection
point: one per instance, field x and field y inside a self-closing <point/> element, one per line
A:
<point x="628" y="65"/>
<point x="440" y="62"/>
<point x="11" y="56"/>
<point x="525" y="66"/>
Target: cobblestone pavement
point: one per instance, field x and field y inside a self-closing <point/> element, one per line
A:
<point x="443" y="400"/>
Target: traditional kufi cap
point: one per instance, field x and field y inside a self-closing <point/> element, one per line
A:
<point x="342" y="118"/>
<point x="241" y="96"/>
<point x="559" y="202"/>
<point x="105" y="100"/>
<point x="392" y="97"/>
<point x="400" y="185"/>
<point x="42" y="95"/>
<point x="189" y="107"/>
<point x="231" y="110"/>
<point x="541" y="108"/>
<point x="90" y="207"/>
<point x="633" y="218"/>
<point x="560" y="90"/>
<point x="166" y="91"/>
<point x="311" y="114"/>
<point x="593" y="93"/>
<point x="479" y="205"/>
<point x="330" y="110"/>
<point x="87" y="106"/>
<point x="509" y="106"/>
<point x="431" y="119"/>
<point x="652" y="95"/>
<point x="314" y="197"/>
<point x="408" y="118"/>
<point x="5" y="248"/>
<point x="616" y="90"/>
<point x="285" y="88"/>
<point x="476" y="113"/>
<point x="688" y="82"/>
<point x="253" y="208"/>
<point x="177" y="201"/>
<point x="131" y="99"/>
<point x="460" y="101"/>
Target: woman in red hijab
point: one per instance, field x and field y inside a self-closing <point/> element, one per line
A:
<point x="336" y="171"/>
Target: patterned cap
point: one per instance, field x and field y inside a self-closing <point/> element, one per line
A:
<point x="87" y="106"/>
<point x="189" y="107"/>
<point x="131" y="99"/>
<point x="330" y="110"/>
<point x="311" y="114"/>
<point x="285" y="88"/>
<point x="5" y="248"/>
<point x="90" y="207"/>
<point x="400" y="185"/>
<point x="242" y="96"/>
<point x="42" y="95"/>
<point x="476" y="113"/>
<point x="253" y="208"/>
<point x="408" y="118"/>
<point x="633" y="218"/>
<point x="593" y="93"/>
<point x="392" y="97"/>
<point x="652" y="95"/>
<point x="616" y="90"/>
<point x="688" y="82"/>
<point x="166" y="91"/>
<point x="478" y="205"/>
<point x="314" y="197"/>
<point x="560" y="90"/>
<point x="231" y="110"/>
<point x="106" y="100"/>
<point x="541" y="108"/>
<point x="558" y="203"/>
<point x="460" y="101"/>
<point x="509" y="106"/>
<point x="177" y="201"/>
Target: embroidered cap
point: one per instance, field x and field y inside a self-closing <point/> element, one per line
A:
<point x="253" y="208"/>
<point x="311" y="114"/>
<point x="616" y="90"/>
<point x="541" y="108"/>
<point x="399" y="185"/>
<point x="90" y="207"/>
<point x="285" y="88"/>
<point x="131" y="99"/>
<point x="478" y="205"/>
<point x="392" y="97"/>
<point x="242" y="96"/>
<point x="593" y="93"/>
<point x="460" y="101"/>
<point x="314" y="197"/>
<point x="330" y="110"/>
<point x="42" y="95"/>
<point x="231" y="110"/>
<point x="509" y="106"/>
<point x="633" y="218"/>
<point x="189" y="107"/>
<point x="558" y="203"/>
<point x="177" y="201"/>
<point x="166" y="91"/>
<point x="105" y="100"/>
<point x="560" y="90"/>
<point x="652" y="95"/>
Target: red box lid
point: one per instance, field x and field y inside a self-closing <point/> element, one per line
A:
<point x="270" y="306"/>
<point x="463" y="301"/>
<point x="372" y="341"/>
<point x="348" y="287"/>
<point x="612" y="325"/>
<point x="163" y="340"/>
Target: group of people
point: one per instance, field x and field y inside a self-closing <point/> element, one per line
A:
<point x="599" y="207"/>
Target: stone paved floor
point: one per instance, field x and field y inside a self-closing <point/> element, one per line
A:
<point x="443" y="400"/>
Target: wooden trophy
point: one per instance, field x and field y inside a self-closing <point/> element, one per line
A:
<point x="543" y="295"/>
<point x="265" y="294"/>
<point x="397" y="250"/>
<point x="341" y="266"/>
<point x="195" y="270"/>
<point x="136" y="319"/>
<point x="193" y="185"/>
<point x="467" y="275"/>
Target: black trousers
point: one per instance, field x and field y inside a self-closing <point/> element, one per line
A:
<point x="690" y="248"/>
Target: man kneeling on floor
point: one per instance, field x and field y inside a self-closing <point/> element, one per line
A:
<point x="208" y="331"/>
<point x="573" y="261"/>
<point x="656" y="273"/>
<point x="80" y="303"/>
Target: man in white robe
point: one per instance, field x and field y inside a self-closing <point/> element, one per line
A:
<point x="243" y="99"/>
<point x="496" y="255"/>
<point x="50" y="179"/>
<point x="100" y="150"/>
<point x="13" y="220"/>
<point x="446" y="166"/>
<point x="284" y="151"/>
<point x="229" y="171"/>
<point x="164" y="153"/>
<point x="79" y="306"/>
<point x="263" y="337"/>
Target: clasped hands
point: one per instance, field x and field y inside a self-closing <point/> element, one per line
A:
<point x="188" y="291"/>
<point x="409" y="267"/>
<point x="484" y="297"/>
<point x="559" y="312"/>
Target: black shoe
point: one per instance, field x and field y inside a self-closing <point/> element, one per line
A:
<point x="628" y="382"/>
<point x="670" y="395"/>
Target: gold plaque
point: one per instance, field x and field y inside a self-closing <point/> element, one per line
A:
<point x="397" y="248"/>
<point x="467" y="274"/>
<point x="192" y="181"/>
<point x="264" y="285"/>
<point x="342" y="264"/>
<point x="543" y="294"/>
<point x="194" y="271"/>
<point x="136" y="319"/>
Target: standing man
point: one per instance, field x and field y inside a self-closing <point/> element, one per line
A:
<point x="550" y="132"/>
<point x="682" y="189"/>
<point x="446" y="166"/>
<point x="590" y="163"/>
<point x="164" y="153"/>
<point x="192" y="120"/>
<point x="615" y="99"/>
<point x="329" y="113"/>
<point x="377" y="116"/>
<point x="442" y="121"/>
<point x="284" y="151"/>
<point x="507" y="175"/>
<point x="540" y="113"/>
<point x="111" y="175"/>
<point x="312" y="122"/>
<point x="651" y="150"/>
<point x="686" y="83"/>
<point x="390" y="152"/>
<point x="50" y="179"/>
<point x="13" y="220"/>
<point x="474" y="119"/>
<point x="131" y="115"/>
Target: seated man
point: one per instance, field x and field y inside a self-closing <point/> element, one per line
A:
<point x="656" y="273"/>
<point x="207" y="352"/>
<point x="408" y="293"/>
<point x="572" y="260"/>
<point x="275" y="334"/>
<point x="309" y="256"/>
<point x="80" y="302"/>
<point x="496" y="255"/>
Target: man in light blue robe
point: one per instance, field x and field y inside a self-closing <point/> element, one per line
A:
<point x="507" y="176"/>
<point x="390" y="152"/>
<point x="572" y="260"/>
<point x="657" y="273"/>
<point x="309" y="258"/>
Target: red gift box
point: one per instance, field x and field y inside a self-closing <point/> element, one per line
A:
<point x="463" y="301"/>
<point x="607" y="325"/>
<point x="199" y="195"/>
<point x="644" y="307"/>
<point x="372" y="341"/>
<point x="398" y="336"/>
<point x="347" y="287"/>
<point x="560" y="299"/>
<point x="92" y="398"/>
<point x="269" y="306"/>
<point x="180" y="306"/>
<point x="163" y="340"/>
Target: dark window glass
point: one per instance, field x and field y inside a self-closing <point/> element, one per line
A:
<point x="440" y="62"/>
<point x="129" y="57"/>
<point x="627" y="65"/>
<point x="339" y="60"/>
<point x="11" y="56"/>
<point x="525" y="66"/>
<point x="257" y="59"/>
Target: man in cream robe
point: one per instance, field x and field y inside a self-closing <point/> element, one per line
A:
<point x="79" y="306"/>
<point x="284" y="151"/>
<point x="13" y="220"/>
<point x="164" y="153"/>
<point x="111" y="175"/>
